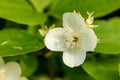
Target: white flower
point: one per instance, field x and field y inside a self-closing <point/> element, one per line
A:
<point x="74" y="39"/>
<point x="9" y="71"/>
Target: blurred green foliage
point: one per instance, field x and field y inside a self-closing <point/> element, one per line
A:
<point x="21" y="42"/>
<point x="108" y="33"/>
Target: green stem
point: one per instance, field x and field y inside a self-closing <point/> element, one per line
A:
<point x="31" y="29"/>
<point x="51" y="72"/>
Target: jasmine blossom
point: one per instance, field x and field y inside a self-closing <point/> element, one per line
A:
<point x="74" y="39"/>
<point x="9" y="71"/>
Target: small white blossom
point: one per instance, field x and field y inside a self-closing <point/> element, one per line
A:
<point x="9" y="71"/>
<point x="74" y="39"/>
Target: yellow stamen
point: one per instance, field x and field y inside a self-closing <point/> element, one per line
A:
<point x="90" y="20"/>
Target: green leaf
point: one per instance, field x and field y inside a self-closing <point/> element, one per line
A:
<point x="77" y="74"/>
<point x="103" y="68"/>
<point x="115" y="21"/>
<point x="40" y="5"/>
<point x="28" y="64"/>
<point x="119" y="68"/>
<point x="17" y="42"/>
<point x="21" y="12"/>
<point x="9" y="24"/>
<point x="100" y="7"/>
<point x="109" y="36"/>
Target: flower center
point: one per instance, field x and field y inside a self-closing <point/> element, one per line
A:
<point x="2" y="75"/>
<point x="73" y="40"/>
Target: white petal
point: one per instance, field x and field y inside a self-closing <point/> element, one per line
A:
<point x="55" y="39"/>
<point x="72" y="21"/>
<point x="89" y="39"/>
<point x="74" y="58"/>
<point x="23" y="78"/>
<point x="1" y="62"/>
<point x="13" y="71"/>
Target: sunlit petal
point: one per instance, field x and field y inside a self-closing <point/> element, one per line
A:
<point x="89" y="39"/>
<point x="72" y="21"/>
<point x="73" y="58"/>
<point x="13" y="71"/>
<point x="55" y="39"/>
